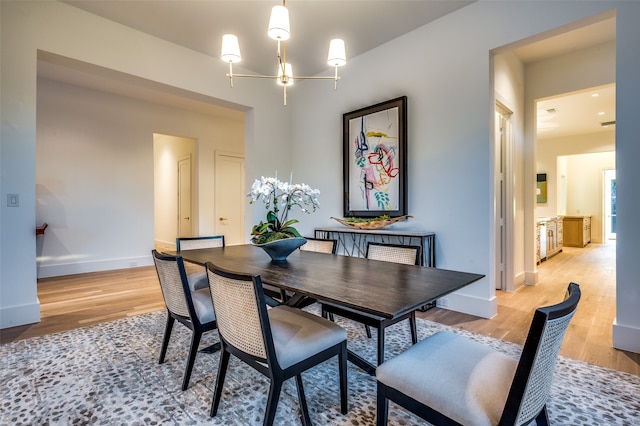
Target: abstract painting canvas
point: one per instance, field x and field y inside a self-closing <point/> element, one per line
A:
<point x="375" y="158"/>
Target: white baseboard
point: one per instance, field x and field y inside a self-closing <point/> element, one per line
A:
<point x="519" y="280"/>
<point x="531" y="278"/>
<point x="626" y="338"/>
<point x="46" y="271"/>
<point x="164" y="245"/>
<point x="485" y="308"/>
<point x="12" y="316"/>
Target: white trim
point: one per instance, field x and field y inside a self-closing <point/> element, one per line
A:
<point x="485" y="308"/>
<point x="46" y="271"/>
<point x="13" y="316"/>
<point x="531" y="278"/>
<point x="625" y="337"/>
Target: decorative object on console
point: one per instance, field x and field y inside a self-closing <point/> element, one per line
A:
<point x="279" y="30"/>
<point x="370" y="223"/>
<point x="279" y="198"/>
<point x="375" y="160"/>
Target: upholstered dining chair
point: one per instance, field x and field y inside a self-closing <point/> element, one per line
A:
<point x="447" y="379"/>
<point x="281" y="342"/>
<point x="198" y="279"/>
<point x="320" y="245"/>
<point x="193" y="309"/>
<point x="398" y="253"/>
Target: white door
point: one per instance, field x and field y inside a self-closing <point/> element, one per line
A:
<point x="230" y="198"/>
<point x="185" y="220"/>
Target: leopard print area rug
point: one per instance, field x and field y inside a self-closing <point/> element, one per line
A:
<point x="108" y="374"/>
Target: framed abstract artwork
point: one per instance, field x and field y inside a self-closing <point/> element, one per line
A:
<point x="541" y="187"/>
<point x="375" y="160"/>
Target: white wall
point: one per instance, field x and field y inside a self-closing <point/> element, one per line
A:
<point x="95" y="175"/>
<point x="446" y="76"/>
<point x="547" y="154"/>
<point x="60" y="29"/>
<point x="557" y="157"/>
<point x="585" y="188"/>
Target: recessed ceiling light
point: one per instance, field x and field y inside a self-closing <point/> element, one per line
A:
<point x="595" y="95"/>
<point x="601" y="113"/>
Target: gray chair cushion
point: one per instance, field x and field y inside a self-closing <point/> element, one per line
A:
<point x="297" y="334"/>
<point x="203" y="305"/>
<point x="198" y="280"/>
<point x="437" y="369"/>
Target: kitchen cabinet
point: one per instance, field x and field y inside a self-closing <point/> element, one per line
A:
<point x="554" y="237"/>
<point x="549" y="238"/>
<point x="577" y="231"/>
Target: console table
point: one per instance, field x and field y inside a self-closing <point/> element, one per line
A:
<point x="353" y="242"/>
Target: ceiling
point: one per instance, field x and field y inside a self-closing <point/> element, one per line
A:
<point x="199" y="25"/>
<point x="364" y="25"/>
<point x="580" y="112"/>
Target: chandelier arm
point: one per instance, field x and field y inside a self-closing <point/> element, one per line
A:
<point x="256" y="76"/>
<point x="312" y="77"/>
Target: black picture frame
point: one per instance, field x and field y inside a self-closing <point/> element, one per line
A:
<point x="375" y="160"/>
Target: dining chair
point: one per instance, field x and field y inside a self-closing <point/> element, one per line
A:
<point x="193" y="309"/>
<point x="198" y="279"/>
<point x="398" y="253"/>
<point x="281" y="342"/>
<point x="448" y="379"/>
<point x="320" y="245"/>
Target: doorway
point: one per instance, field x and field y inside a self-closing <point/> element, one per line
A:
<point x="504" y="277"/>
<point x="610" y="204"/>
<point x="185" y="222"/>
<point x="174" y="205"/>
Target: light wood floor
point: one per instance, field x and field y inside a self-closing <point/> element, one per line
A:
<point x="80" y="300"/>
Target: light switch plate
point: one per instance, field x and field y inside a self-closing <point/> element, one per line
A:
<point x="13" y="200"/>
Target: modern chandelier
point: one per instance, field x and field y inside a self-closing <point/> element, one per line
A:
<point x="279" y="31"/>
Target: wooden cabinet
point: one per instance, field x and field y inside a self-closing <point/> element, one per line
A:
<point x="577" y="231"/>
<point x="549" y="238"/>
<point x="554" y="237"/>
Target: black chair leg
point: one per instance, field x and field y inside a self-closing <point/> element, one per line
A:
<point x="193" y="351"/>
<point x="382" y="409"/>
<point x="380" y="345"/>
<point x="414" y="328"/>
<point x="167" y="336"/>
<point x="222" y="372"/>
<point x="543" y="418"/>
<point x="304" y="410"/>
<point x="272" y="401"/>
<point x="344" y="391"/>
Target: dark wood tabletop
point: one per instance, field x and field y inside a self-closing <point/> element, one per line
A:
<point x="380" y="288"/>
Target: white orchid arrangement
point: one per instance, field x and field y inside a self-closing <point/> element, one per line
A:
<point x="279" y="198"/>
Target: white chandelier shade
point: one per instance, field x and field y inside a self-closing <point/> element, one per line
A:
<point x="279" y="24"/>
<point x="337" y="56"/>
<point x="279" y="30"/>
<point x="230" y="49"/>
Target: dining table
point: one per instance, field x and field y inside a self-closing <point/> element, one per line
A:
<point x="378" y="288"/>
